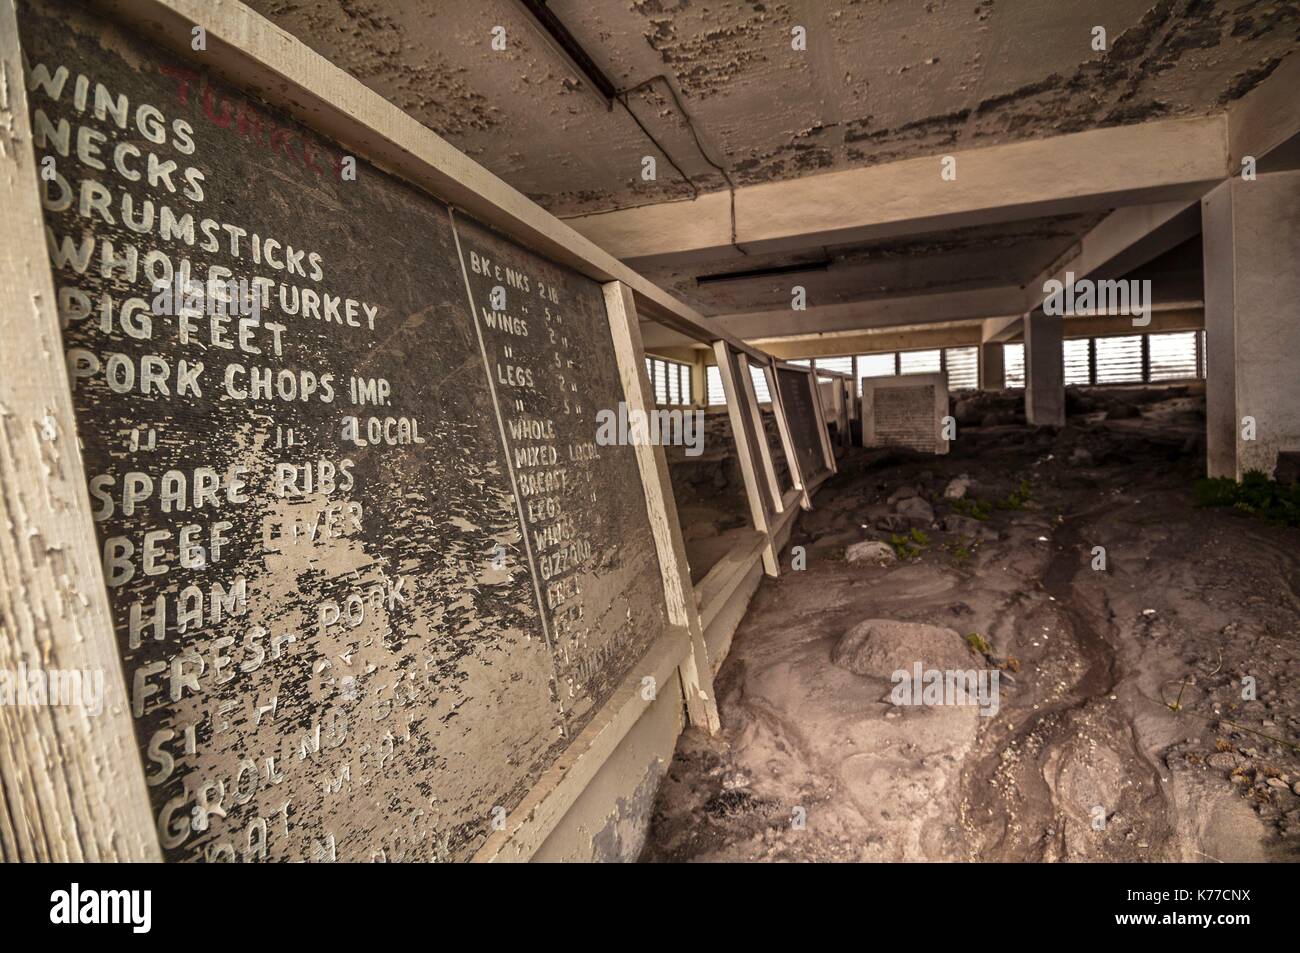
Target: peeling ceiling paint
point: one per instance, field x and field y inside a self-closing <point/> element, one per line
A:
<point x="880" y="80"/>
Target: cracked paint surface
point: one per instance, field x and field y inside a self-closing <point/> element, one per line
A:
<point x="879" y="81"/>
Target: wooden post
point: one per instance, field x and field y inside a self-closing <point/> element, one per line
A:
<point x="846" y="411"/>
<point x="700" y="379"/>
<point x="842" y="409"/>
<point x="736" y="411"/>
<point x="760" y="432"/>
<point x="828" y="453"/>
<point x="837" y="407"/>
<point x="71" y="782"/>
<point x="661" y="507"/>
<point x="787" y="441"/>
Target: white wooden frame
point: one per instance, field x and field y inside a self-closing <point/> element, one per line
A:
<point x="787" y="438"/>
<point x="740" y="414"/>
<point x="661" y="506"/>
<point x="764" y="447"/>
<point x="842" y="403"/>
<point x="560" y="786"/>
<point x="71" y="783"/>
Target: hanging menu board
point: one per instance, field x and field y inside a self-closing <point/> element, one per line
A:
<point x="796" y="397"/>
<point x="552" y="366"/>
<point x="369" y="570"/>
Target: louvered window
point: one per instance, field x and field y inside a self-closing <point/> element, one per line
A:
<point x="1119" y="359"/>
<point x="963" y="365"/>
<point x="1173" y="356"/>
<point x="1013" y="365"/>
<point x="875" y="365"/>
<point x="717" y="395"/>
<point x="671" y="380"/>
<point x="919" y="362"/>
<point x="1078" y="365"/>
<point x="842" y="365"/>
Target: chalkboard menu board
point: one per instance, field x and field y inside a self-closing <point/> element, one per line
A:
<point x="552" y="366"/>
<point x="370" y="572"/>
<point x="796" y="397"/>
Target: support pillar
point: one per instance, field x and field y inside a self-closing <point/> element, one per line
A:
<point x="1251" y="243"/>
<point x="992" y="366"/>
<point x="1044" y="371"/>
<point x="700" y="378"/>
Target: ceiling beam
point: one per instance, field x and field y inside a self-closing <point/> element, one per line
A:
<point x="1000" y="309"/>
<point x="913" y="339"/>
<point x="1169" y="160"/>
<point x="1266" y="117"/>
<point x="876" y="313"/>
<point x="1001" y="329"/>
<point x="1125" y="239"/>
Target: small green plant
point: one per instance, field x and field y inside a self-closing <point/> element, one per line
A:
<point x="1177" y="703"/>
<point x="982" y="646"/>
<point x="1018" y="497"/>
<point x="1214" y="491"/>
<point x="975" y="509"/>
<point x="909" y="545"/>
<point x="963" y="552"/>
<point x="1256" y="494"/>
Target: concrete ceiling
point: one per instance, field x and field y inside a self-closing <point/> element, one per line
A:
<point x="717" y="85"/>
<point x="879" y="81"/>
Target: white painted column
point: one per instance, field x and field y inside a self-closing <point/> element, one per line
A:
<point x="1044" y="371"/>
<point x="1251" y="242"/>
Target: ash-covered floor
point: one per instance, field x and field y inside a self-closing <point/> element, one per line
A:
<point x="1121" y="732"/>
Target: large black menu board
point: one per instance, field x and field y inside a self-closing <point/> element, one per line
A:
<point x="369" y="570"/>
<point x="797" y="398"/>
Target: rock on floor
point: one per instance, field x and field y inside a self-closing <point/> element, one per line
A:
<point x="871" y="551"/>
<point x="880" y="647"/>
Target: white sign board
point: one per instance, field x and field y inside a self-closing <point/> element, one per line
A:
<point x="905" y="411"/>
